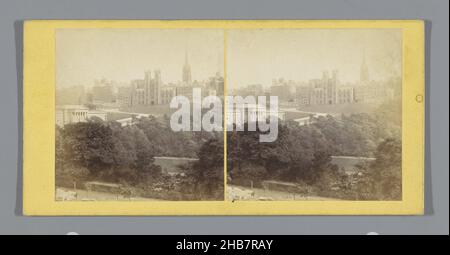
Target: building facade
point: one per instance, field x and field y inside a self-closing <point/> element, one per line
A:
<point x="124" y="96"/>
<point x="138" y="92"/>
<point x="345" y="95"/>
<point x="152" y="87"/>
<point x="68" y="114"/>
<point x="328" y="90"/>
<point x="319" y="91"/>
<point x="103" y="91"/>
<point x="152" y="91"/>
<point x="284" y="90"/>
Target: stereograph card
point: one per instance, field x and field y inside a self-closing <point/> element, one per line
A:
<point x="223" y="117"/>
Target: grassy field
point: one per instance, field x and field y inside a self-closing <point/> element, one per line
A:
<point x="290" y="115"/>
<point x="118" y="116"/>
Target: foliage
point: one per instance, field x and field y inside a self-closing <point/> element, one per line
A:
<point x="299" y="153"/>
<point x="170" y="143"/>
<point x="206" y="175"/>
<point x="382" y="180"/>
<point x="302" y="154"/>
<point x="89" y="145"/>
<point x="106" y="151"/>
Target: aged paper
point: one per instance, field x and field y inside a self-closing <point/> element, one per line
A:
<point x="223" y="117"/>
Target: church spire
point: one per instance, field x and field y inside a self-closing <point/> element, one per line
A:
<point x="187" y="78"/>
<point x="364" y="74"/>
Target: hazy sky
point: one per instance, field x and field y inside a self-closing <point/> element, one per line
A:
<point x="258" y="56"/>
<point x="254" y="56"/>
<point x="83" y="55"/>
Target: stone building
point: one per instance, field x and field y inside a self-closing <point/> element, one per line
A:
<point x="102" y="91"/>
<point x="67" y="114"/>
<point x="328" y="90"/>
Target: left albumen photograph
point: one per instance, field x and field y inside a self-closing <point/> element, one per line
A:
<point x="113" y="113"/>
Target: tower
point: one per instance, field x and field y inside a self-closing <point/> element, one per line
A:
<point x="147" y="84"/>
<point x="156" y="87"/>
<point x="152" y="87"/>
<point x="335" y="75"/>
<point x="220" y="63"/>
<point x="329" y="84"/>
<point x="187" y="78"/>
<point x="364" y="74"/>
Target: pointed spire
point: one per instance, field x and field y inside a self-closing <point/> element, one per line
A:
<point x="364" y="56"/>
<point x="187" y="78"/>
<point x="219" y="63"/>
<point x="186" y="53"/>
<point x="364" y="75"/>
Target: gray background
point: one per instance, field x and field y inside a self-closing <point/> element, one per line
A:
<point x="436" y="220"/>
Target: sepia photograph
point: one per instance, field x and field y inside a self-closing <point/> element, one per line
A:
<point x="206" y="118"/>
<point x="139" y="114"/>
<point x="224" y="117"/>
<point x="339" y="114"/>
<point x="114" y="107"/>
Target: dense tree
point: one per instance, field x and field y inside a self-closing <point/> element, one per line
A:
<point x="382" y="180"/>
<point x="302" y="154"/>
<point x="299" y="153"/>
<point x="133" y="155"/>
<point x="106" y="151"/>
<point x="206" y="175"/>
<point x="89" y="145"/>
<point x="170" y="143"/>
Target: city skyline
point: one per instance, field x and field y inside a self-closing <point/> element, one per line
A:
<point x="84" y="55"/>
<point x="303" y="54"/>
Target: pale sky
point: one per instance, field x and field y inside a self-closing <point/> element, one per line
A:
<point x="254" y="56"/>
<point x="260" y="55"/>
<point x="83" y="55"/>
